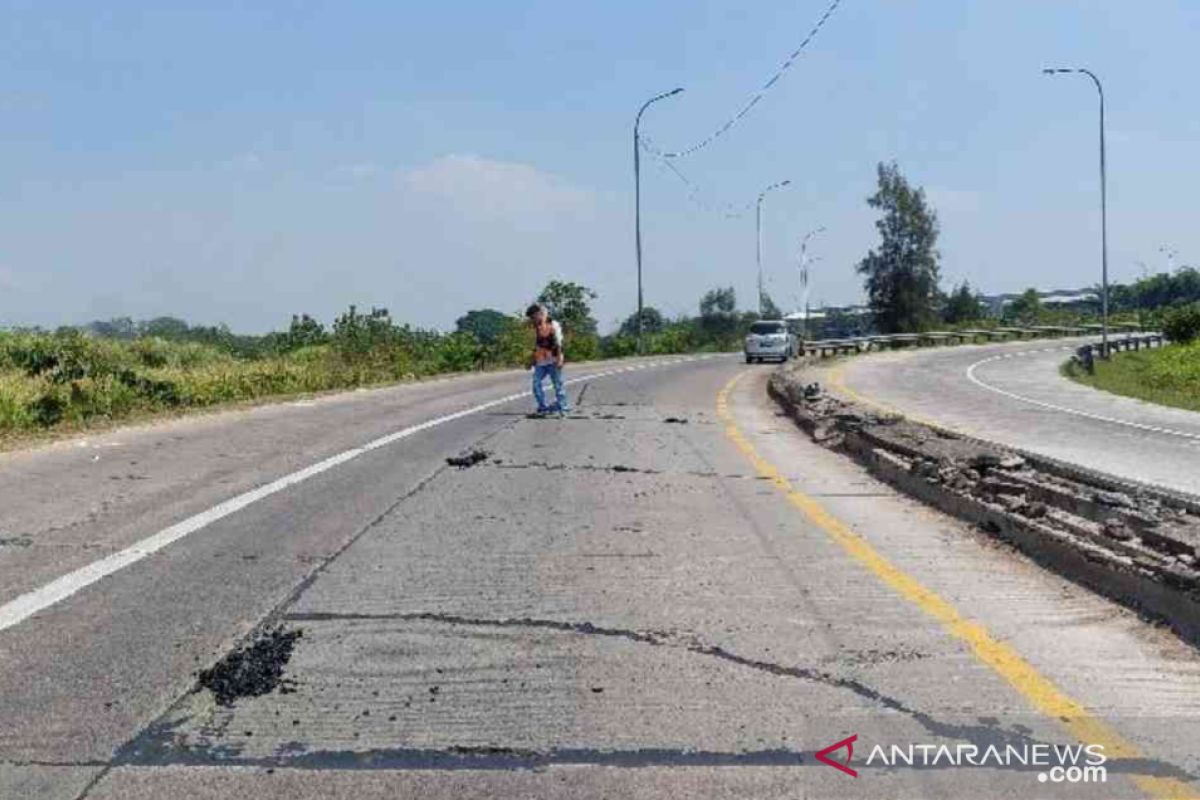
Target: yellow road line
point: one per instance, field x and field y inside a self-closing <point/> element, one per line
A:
<point x="836" y="378"/>
<point x="1000" y="657"/>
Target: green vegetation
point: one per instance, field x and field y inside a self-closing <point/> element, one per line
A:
<point x="76" y="378"/>
<point x="901" y="276"/>
<point x="1169" y="376"/>
<point x="1182" y="325"/>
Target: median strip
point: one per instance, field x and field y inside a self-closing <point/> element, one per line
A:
<point x="1134" y="543"/>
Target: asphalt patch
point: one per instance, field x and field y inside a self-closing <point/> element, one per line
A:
<point x="252" y="670"/>
<point x="469" y="459"/>
<point x="675" y="421"/>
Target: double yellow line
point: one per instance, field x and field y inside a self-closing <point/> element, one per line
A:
<point x="1000" y="657"/>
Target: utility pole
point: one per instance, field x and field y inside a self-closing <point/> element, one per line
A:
<point x="758" y="237"/>
<point x="1103" y="207"/>
<point x="637" y="204"/>
<point x="804" y="270"/>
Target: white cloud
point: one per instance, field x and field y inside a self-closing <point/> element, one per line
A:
<point x="480" y="186"/>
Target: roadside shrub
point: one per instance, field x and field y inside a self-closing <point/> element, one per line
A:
<point x="618" y="346"/>
<point x="1182" y="325"/>
<point x="458" y="352"/>
<point x="581" y="346"/>
<point x="356" y="336"/>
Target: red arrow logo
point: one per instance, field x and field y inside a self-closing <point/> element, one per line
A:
<point x="844" y="766"/>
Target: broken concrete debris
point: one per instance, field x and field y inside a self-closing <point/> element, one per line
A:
<point x="1138" y="544"/>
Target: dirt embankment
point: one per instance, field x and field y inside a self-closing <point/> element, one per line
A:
<point x="1134" y="543"/>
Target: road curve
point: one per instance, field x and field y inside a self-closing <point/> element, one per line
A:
<point x="670" y="593"/>
<point x="1014" y="394"/>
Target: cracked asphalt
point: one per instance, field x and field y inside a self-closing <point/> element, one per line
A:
<point x="617" y="603"/>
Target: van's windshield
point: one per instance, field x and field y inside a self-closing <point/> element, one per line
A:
<point x="763" y="328"/>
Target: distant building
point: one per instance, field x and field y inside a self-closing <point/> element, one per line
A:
<point x="1059" y="298"/>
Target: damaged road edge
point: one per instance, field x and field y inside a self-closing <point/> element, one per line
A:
<point x="1135" y="544"/>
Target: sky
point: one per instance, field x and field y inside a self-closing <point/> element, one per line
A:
<point x="236" y="163"/>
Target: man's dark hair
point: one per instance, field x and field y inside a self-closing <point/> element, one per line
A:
<point x="533" y="309"/>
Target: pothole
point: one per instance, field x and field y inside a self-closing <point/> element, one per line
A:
<point x="252" y="670"/>
<point x="468" y="460"/>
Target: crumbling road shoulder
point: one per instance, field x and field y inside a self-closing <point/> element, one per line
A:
<point x="1133" y="543"/>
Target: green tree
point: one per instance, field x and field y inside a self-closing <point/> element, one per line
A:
<point x="164" y="327"/>
<point x="901" y="276"/>
<point x="304" y="331"/>
<point x="1025" y="307"/>
<point x="486" y="324"/>
<point x="568" y="303"/>
<point x="769" y="309"/>
<point x="115" y="328"/>
<point x="1182" y="324"/>
<point x="962" y="305"/>
<point x="359" y="336"/>
<point x="652" y="322"/>
<point x="718" y="315"/>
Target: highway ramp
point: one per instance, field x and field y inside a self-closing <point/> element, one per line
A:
<point x="1014" y="394"/>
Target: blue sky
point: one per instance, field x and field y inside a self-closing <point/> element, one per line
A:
<point x="233" y="162"/>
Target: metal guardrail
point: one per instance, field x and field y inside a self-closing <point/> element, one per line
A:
<point x="1086" y="355"/>
<point x="862" y="344"/>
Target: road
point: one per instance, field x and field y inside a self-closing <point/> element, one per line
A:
<point x="1014" y="394"/>
<point x="669" y="593"/>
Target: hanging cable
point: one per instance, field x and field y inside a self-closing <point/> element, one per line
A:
<point x="712" y="137"/>
<point x="695" y="194"/>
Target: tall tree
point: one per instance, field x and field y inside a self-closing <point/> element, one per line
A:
<point x="962" y="305"/>
<point x="652" y="322"/>
<point x="485" y="323"/>
<point x="901" y="276"/>
<point x="769" y="309"/>
<point x="1025" y="307"/>
<point x="718" y="314"/>
<point x="568" y="303"/>
<point x="718" y="301"/>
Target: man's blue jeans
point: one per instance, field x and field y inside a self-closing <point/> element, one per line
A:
<point x="540" y="372"/>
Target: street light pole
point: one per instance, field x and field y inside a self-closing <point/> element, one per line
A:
<point x="804" y="271"/>
<point x="758" y="238"/>
<point x="1103" y="207"/>
<point x="637" y="204"/>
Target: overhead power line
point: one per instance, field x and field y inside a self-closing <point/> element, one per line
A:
<point x="696" y="195"/>
<point x="753" y="101"/>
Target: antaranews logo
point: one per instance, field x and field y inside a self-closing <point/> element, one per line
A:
<point x="844" y="766"/>
<point x="1057" y="763"/>
<point x="1081" y="763"/>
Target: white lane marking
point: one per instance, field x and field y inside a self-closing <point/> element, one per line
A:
<point x="26" y="605"/>
<point x="1064" y="409"/>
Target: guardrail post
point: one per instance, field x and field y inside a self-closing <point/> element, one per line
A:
<point x="1086" y="358"/>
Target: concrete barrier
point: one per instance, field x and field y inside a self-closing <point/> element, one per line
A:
<point x="1132" y="542"/>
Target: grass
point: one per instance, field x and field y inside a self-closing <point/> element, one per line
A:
<point x="1168" y="376"/>
<point x="52" y="384"/>
<point x="55" y="385"/>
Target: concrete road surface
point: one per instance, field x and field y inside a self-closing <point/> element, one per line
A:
<point x="669" y="593"/>
<point x="1014" y="394"/>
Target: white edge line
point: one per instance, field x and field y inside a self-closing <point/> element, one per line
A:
<point x="1064" y="409"/>
<point x="26" y="605"/>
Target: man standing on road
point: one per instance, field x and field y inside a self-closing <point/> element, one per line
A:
<point x="547" y="359"/>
